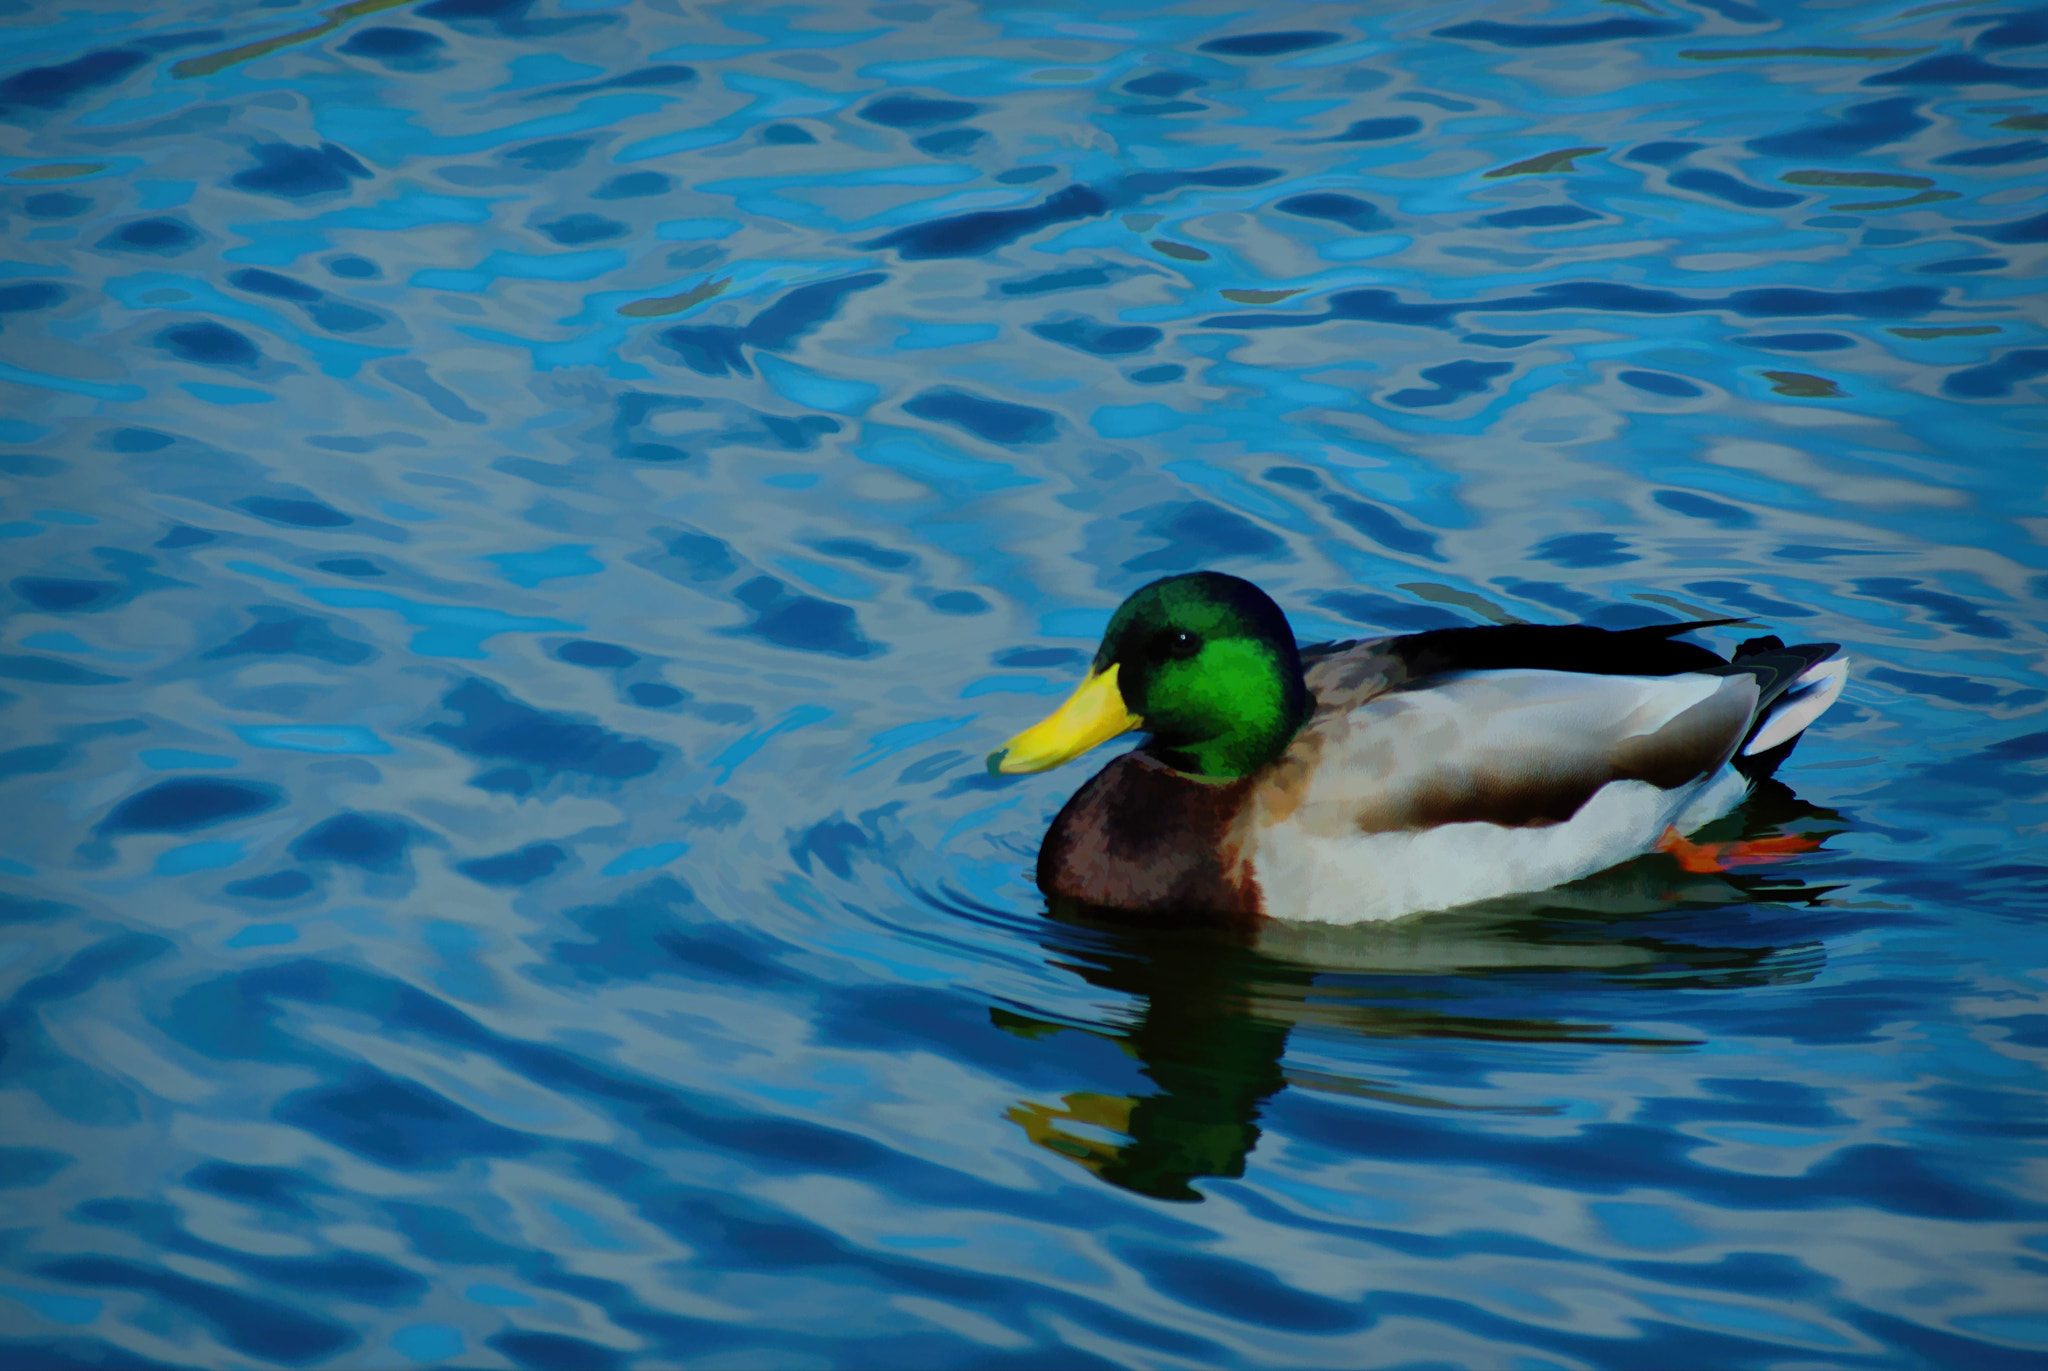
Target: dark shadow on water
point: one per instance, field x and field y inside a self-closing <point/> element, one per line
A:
<point x="1214" y="1006"/>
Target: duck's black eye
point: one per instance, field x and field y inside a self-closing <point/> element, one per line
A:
<point x="1181" y="644"/>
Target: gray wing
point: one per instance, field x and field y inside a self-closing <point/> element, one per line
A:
<point x="1517" y="748"/>
<point x="1342" y="676"/>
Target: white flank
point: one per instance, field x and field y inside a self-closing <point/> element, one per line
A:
<point x="1371" y="877"/>
<point x="1709" y="801"/>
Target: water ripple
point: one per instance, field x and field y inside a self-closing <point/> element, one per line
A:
<point x="522" y="520"/>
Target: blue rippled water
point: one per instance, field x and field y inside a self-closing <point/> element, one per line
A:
<point x="523" y="517"/>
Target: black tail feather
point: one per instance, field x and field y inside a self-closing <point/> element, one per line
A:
<point x="1673" y="630"/>
<point x="1776" y="668"/>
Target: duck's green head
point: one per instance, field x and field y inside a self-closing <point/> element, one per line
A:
<point x="1205" y="663"/>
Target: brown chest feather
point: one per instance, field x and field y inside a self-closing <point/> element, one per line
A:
<point x="1140" y="836"/>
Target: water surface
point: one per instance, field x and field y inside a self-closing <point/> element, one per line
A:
<point x="524" y="518"/>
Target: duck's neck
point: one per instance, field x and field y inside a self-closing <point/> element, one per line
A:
<point x="1221" y="761"/>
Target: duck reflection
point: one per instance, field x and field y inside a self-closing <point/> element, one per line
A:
<point x="1215" y="1005"/>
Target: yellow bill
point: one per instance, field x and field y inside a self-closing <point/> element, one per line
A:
<point x="1093" y="714"/>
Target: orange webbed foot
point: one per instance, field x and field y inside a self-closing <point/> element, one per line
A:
<point x="1713" y="858"/>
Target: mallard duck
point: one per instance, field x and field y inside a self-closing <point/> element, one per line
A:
<point x="1366" y="780"/>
